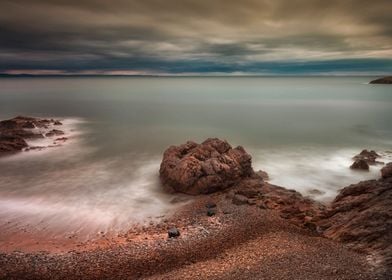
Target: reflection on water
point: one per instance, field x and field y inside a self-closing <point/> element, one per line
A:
<point x="302" y="131"/>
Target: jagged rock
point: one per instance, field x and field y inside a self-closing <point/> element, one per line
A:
<point x="361" y="216"/>
<point x="386" y="171"/>
<point x="204" y="168"/>
<point x="360" y="164"/>
<point x="368" y="156"/>
<point x="384" y="80"/>
<point x="173" y="233"/>
<point x="14" y="132"/>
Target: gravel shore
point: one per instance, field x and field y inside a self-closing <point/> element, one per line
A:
<point x="239" y="242"/>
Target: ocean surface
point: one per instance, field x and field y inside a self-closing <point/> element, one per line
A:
<point x="303" y="131"/>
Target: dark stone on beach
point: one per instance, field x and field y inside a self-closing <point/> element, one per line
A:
<point x="360" y="164"/>
<point x="173" y="233"/>
<point x="239" y="199"/>
<point x="211" y="212"/>
<point x="54" y="132"/>
<point x="57" y="122"/>
<point x="384" y="80"/>
<point x="204" y="168"/>
<point x="386" y="171"/>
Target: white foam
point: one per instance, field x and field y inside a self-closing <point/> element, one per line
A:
<point x="308" y="169"/>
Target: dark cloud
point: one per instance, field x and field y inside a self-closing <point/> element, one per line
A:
<point x="189" y="36"/>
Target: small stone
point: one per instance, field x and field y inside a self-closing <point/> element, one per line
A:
<point x="173" y="233"/>
<point x="211" y="212"/>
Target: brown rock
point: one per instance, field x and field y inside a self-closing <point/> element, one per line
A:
<point x="204" y="168"/>
<point x="360" y="164"/>
<point x="361" y="216"/>
<point x="368" y="156"/>
<point x="386" y="171"/>
<point x="11" y="144"/>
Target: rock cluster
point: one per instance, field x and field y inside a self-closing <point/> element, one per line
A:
<point x="364" y="159"/>
<point x="204" y="168"/>
<point x="14" y="132"/>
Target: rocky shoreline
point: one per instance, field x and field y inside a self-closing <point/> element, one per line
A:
<point x="236" y="226"/>
<point x="16" y="132"/>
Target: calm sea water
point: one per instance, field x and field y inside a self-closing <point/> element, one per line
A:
<point x="302" y="131"/>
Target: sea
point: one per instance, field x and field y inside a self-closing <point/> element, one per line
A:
<point x="303" y="131"/>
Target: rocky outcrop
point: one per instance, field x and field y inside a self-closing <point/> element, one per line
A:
<point x="361" y="216"/>
<point x="370" y="157"/>
<point x="384" y="80"/>
<point x="9" y="144"/>
<point x="14" y="132"/>
<point x="204" y="168"/>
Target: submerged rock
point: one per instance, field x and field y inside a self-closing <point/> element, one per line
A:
<point x="204" y="168"/>
<point x="368" y="156"/>
<point x="54" y="132"/>
<point x="384" y="80"/>
<point x="360" y="164"/>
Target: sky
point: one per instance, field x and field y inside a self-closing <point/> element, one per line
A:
<point x="196" y="37"/>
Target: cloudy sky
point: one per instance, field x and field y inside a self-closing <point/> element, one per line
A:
<point x="196" y="36"/>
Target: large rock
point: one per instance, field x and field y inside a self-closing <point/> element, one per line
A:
<point x="384" y="80"/>
<point x="361" y="216"/>
<point x="204" y="168"/>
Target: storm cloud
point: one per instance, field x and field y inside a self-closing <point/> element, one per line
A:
<point x="195" y="37"/>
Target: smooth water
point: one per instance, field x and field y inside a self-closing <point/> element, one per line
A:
<point x="302" y="131"/>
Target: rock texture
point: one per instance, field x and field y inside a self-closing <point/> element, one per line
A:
<point x="361" y="216"/>
<point x="384" y="80"/>
<point x="386" y="171"/>
<point x="204" y="168"/>
<point x="360" y="164"/>
<point x="11" y="144"/>
<point x="14" y="132"/>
